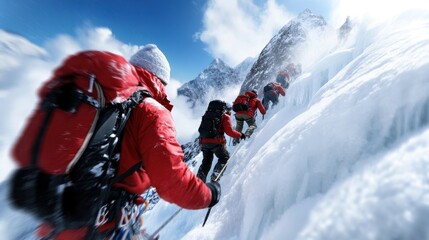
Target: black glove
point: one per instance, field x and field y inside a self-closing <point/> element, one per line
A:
<point x="243" y="136"/>
<point x="215" y="189"/>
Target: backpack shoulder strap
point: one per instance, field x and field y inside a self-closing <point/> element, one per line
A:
<point x="127" y="173"/>
<point x="131" y="103"/>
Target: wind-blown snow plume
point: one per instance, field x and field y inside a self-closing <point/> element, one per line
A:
<point x="344" y="158"/>
<point x="235" y="30"/>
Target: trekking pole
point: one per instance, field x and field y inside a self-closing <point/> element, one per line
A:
<point x="207" y="216"/>
<point x="217" y="178"/>
<point x="155" y="235"/>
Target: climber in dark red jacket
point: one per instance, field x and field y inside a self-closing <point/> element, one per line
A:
<point x="214" y="142"/>
<point x="271" y="94"/>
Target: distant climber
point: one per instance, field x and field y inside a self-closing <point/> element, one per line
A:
<point x="271" y="94"/>
<point x="283" y="77"/>
<point x="286" y="76"/>
<point x="245" y="107"/>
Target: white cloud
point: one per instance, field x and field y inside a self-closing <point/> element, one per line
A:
<point x="89" y="38"/>
<point x="236" y="29"/>
<point x="185" y="121"/>
<point x="172" y="87"/>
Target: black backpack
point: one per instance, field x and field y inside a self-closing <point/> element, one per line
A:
<point x="210" y="123"/>
<point x="268" y="87"/>
<point x="73" y="200"/>
<point x="241" y="103"/>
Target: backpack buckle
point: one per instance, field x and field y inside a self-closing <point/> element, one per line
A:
<point x="102" y="216"/>
<point x="128" y="213"/>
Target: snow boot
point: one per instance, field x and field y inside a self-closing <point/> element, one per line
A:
<point x="248" y="134"/>
<point x="216" y="171"/>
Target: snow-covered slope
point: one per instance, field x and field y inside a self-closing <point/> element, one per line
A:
<point x="14" y="225"/>
<point x="344" y="157"/>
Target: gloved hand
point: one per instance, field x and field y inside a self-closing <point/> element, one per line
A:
<point x="243" y="137"/>
<point x="215" y="189"/>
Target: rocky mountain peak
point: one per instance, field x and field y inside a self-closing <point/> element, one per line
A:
<point x="279" y="52"/>
<point x="217" y="76"/>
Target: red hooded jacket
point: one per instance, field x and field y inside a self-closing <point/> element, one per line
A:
<point x="254" y="103"/>
<point x="149" y="136"/>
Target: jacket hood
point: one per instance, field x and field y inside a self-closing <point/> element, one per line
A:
<point x="155" y="87"/>
<point x="251" y="94"/>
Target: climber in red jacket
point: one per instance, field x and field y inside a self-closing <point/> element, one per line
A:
<point x="248" y="116"/>
<point x="271" y="94"/>
<point x="149" y="136"/>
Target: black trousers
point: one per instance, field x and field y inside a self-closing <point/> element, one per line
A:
<point x="210" y="149"/>
<point x="270" y="96"/>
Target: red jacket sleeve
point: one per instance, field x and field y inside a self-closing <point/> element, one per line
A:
<point x="227" y="127"/>
<point x="150" y="137"/>
<point x="260" y="107"/>
<point x="280" y="90"/>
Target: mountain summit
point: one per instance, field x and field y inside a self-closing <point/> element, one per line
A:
<point x="215" y="78"/>
<point x="279" y="52"/>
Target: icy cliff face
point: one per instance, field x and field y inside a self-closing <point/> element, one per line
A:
<point x="279" y="52"/>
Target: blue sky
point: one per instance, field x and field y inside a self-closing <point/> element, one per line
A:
<point x="190" y="33"/>
<point x="137" y="22"/>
